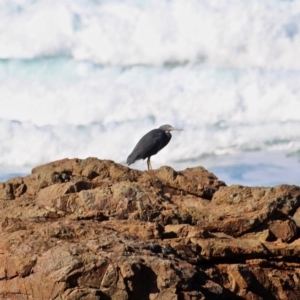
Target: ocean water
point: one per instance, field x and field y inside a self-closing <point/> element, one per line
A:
<point x="87" y="78"/>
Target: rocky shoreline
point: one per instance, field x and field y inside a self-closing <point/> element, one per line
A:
<point x="94" y="229"/>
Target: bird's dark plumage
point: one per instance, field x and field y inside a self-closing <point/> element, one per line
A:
<point x="150" y="144"/>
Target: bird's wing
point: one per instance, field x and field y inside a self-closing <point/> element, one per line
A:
<point x="148" y="145"/>
<point x="152" y="143"/>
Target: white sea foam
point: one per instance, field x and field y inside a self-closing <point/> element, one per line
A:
<point x="89" y="78"/>
<point x="105" y="114"/>
<point x="231" y="33"/>
<point x="105" y="111"/>
<point x="192" y="96"/>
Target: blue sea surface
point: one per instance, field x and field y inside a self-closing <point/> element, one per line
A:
<point x="6" y="176"/>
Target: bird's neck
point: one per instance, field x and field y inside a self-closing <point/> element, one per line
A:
<point x="168" y="133"/>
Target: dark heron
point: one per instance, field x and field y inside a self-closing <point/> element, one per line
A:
<point x="150" y="144"/>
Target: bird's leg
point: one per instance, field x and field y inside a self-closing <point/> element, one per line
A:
<point x="149" y="164"/>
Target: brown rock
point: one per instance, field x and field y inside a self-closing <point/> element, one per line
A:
<point x="296" y="217"/>
<point x="92" y="229"/>
<point x="284" y="230"/>
<point x="6" y="191"/>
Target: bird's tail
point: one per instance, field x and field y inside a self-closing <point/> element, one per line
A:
<point x="130" y="160"/>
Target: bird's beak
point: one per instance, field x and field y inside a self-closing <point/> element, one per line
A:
<point x="178" y="129"/>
